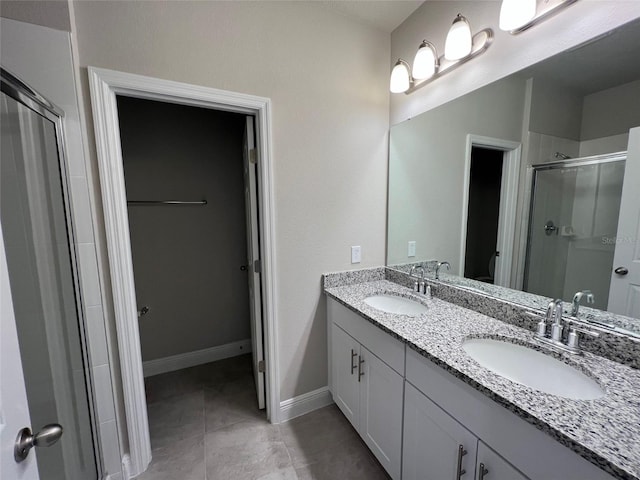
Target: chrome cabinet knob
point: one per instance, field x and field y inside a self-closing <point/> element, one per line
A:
<point x="47" y="436"/>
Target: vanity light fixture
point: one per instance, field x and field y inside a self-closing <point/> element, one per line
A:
<point x="516" y="16"/>
<point x="425" y="62"/>
<point x="400" y="77"/>
<point x="427" y="66"/>
<point x="459" y="41"/>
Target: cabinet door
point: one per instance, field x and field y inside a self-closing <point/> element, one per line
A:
<point x="381" y="411"/>
<point x="432" y="441"/>
<point x="492" y="466"/>
<point x="344" y="365"/>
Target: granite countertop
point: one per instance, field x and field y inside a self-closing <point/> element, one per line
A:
<point x="605" y="431"/>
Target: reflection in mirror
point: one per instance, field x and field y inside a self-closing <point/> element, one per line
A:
<point x="526" y="184"/>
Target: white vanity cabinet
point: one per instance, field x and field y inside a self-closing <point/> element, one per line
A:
<point x="422" y="422"/>
<point x="491" y="466"/>
<point x="436" y="447"/>
<point x="366" y="389"/>
<point x="523" y="451"/>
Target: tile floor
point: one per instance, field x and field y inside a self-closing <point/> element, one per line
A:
<point x="205" y="425"/>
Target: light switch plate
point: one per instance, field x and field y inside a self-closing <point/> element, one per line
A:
<point x="411" y="251"/>
<point x="356" y="254"/>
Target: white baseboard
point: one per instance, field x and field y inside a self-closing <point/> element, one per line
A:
<point x="191" y="359"/>
<point x="305" y="403"/>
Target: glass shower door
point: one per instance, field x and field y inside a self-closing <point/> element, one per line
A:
<point x="43" y="281"/>
<point x="572" y="228"/>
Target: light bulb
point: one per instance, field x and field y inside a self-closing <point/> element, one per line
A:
<point x="400" y="81"/>
<point x="516" y="13"/>
<point x="459" y="42"/>
<point x="425" y="61"/>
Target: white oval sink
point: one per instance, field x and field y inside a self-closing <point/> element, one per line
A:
<point x="395" y="304"/>
<point x="532" y="368"/>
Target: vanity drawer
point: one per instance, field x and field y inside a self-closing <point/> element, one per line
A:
<point x="381" y="344"/>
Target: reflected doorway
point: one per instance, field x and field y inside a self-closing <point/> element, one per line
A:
<point x="485" y="183"/>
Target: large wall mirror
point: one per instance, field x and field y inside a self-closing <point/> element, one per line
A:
<point x="519" y="184"/>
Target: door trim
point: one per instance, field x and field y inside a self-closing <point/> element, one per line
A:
<point x="508" y="201"/>
<point x="104" y="86"/>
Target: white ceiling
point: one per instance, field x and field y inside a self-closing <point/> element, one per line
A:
<point x="386" y="15"/>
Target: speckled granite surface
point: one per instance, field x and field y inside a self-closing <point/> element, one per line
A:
<point x="350" y="277"/>
<point x="612" y="344"/>
<point x="605" y="431"/>
<point x="525" y="299"/>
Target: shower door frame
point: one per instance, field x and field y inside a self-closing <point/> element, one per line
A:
<point x="538" y="167"/>
<point x="105" y="85"/>
<point x="21" y="92"/>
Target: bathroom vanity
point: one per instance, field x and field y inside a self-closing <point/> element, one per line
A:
<point x="428" y="410"/>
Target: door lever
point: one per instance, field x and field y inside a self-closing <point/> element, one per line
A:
<point x="47" y="436"/>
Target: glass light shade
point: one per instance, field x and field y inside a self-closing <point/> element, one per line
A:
<point x="424" y="64"/>
<point x="459" y="41"/>
<point x="399" y="78"/>
<point x="516" y="13"/>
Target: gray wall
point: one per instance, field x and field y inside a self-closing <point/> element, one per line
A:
<point x="555" y="110"/>
<point x="50" y="13"/>
<point x="611" y="112"/>
<point x="186" y="259"/>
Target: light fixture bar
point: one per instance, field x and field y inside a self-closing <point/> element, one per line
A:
<point x="481" y="41"/>
<point x="544" y="9"/>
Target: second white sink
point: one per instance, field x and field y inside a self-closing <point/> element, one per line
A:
<point x="532" y="368"/>
<point x="395" y="304"/>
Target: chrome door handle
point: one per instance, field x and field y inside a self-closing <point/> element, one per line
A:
<point x="47" y="436"/>
<point x="360" y="372"/>
<point x="461" y="453"/>
<point x="353" y="355"/>
<point x="621" y="271"/>
<point x="482" y="471"/>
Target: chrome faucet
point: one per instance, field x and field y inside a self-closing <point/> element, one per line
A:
<point x="556" y="326"/>
<point x="576" y="301"/>
<point x="421" y="286"/>
<point x="554" y="318"/>
<point x="417" y="286"/>
<point x="441" y="264"/>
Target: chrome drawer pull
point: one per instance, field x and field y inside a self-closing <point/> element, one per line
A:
<point x="483" y="471"/>
<point x="461" y="453"/>
<point x="353" y="355"/>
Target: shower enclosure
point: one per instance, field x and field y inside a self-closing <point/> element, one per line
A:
<point x="41" y="268"/>
<point x="572" y="226"/>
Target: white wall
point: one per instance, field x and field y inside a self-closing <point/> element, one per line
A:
<point x="580" y="22"/>
<point x="426" y="169"/>
<point x="327" y="77"/>
<point x="186" y="259"/>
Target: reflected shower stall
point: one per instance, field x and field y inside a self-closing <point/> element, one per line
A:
<point x="573" y="222"/>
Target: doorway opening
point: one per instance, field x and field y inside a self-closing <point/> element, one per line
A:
<point x="106" y="86"/>
<point x="191" y="201"/>
<point x="492" y="169"/>
<point x="483" y="212"/>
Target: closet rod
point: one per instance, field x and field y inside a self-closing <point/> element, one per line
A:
<point x="165" y="202"/>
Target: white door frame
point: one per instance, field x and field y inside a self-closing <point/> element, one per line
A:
<point x="508" y="202"/>
<point x="104" y="86"/>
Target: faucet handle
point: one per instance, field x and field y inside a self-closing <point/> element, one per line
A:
<point x="573" y="341"/>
